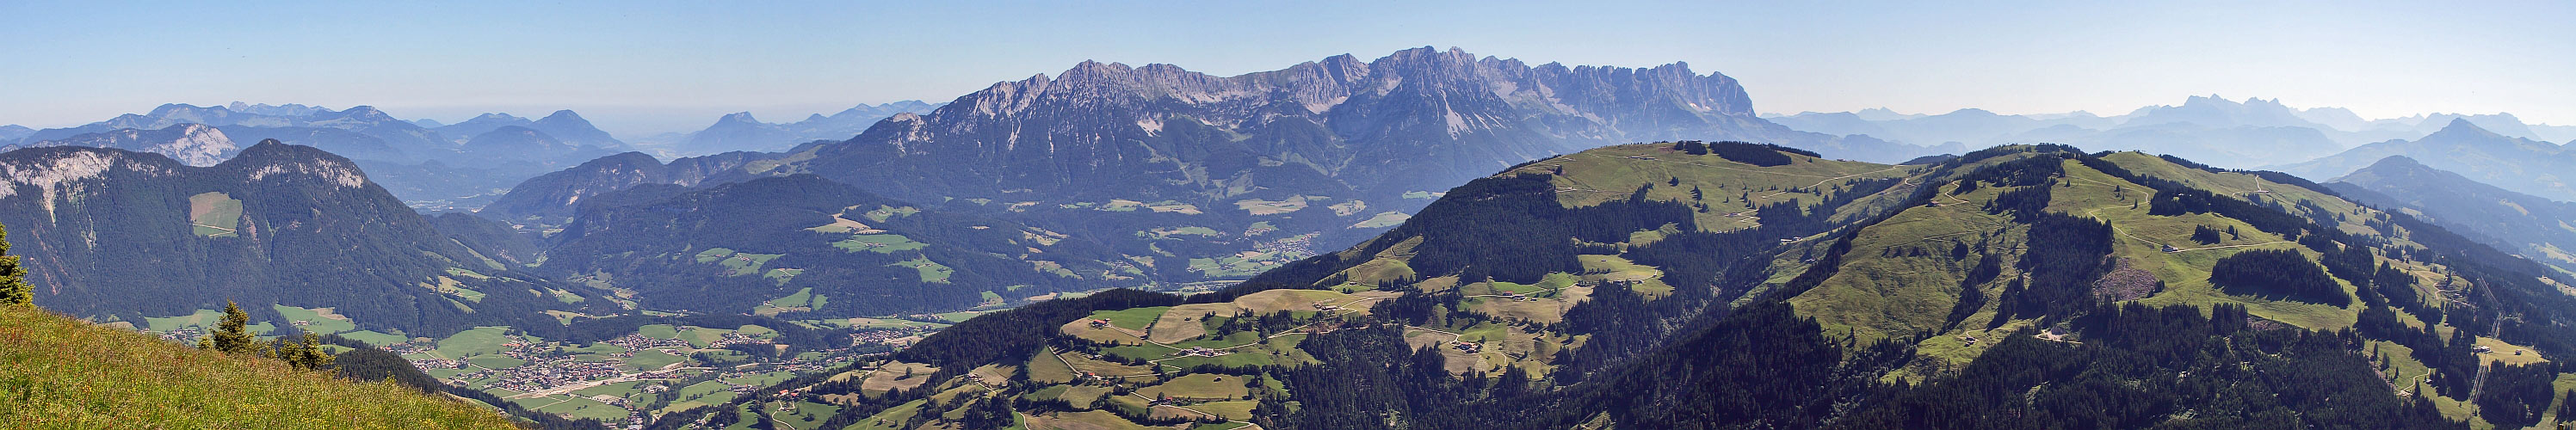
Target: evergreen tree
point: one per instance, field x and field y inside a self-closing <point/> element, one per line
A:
<point x="233" y="334"/>
<point x="14" y="290"/>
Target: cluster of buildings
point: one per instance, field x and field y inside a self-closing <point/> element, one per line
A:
<point x="1292" y="246"/>
<point x="1200" y="351"/>
<point x="537" y="376"/>
<point x="893" y="338"/>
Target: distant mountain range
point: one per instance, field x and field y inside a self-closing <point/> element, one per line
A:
<point x="740" y="132"/>
<point x="191" y="144"/>
<point x="2213" y="129"/>
<point x="450" y="167"/>
<point x="2536" y="228"/>
<point x="2522" y="165"/>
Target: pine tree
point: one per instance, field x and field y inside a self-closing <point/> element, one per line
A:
<point x="233" y="335"/>
<point x="14" y="290"/>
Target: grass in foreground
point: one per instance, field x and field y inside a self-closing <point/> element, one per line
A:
<point x="58" y="372"/>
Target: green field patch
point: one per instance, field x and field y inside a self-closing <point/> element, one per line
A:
<point x="805" y="414"/>
<point x="1131" y="319"/>
<point x="957" y="317"/>
<point x="879" y="243"/>
<point x="782" y="274"/>
<point x="712" y="255"/>
<point x="214" y="214"/>
<point x="372" y="337"/>
<point x="658" y="331"/>
<point x="478" y="341"/>
<point x="757" y="332"/>
<point x="802" y="297"/>
<point x="651" y="359"/>
<point x="316" y="320"/>
<point x="1383" y="220"/>
<point x="1200" y="386"/>
<point x="764" y="379"/>
<point x="931" y="271"/>
<point x="702" y="337"/>
<point x="745" y="263"/>
<point x="883" y="212"/>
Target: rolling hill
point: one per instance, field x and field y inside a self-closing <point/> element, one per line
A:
<point x="1724" y="284"/>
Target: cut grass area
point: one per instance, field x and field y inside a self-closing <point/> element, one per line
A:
<point x="59" y="372"/>
<point x="1201" y="386"/>
<point x="658" y="331"/>
<point x="892" y="376"/>
<point x="930" y="271"/>
<point x="478" y="341"/>
<point x="215" y="214"/>
<point x="1045" y="368"/>
<point x="879" y="243"/>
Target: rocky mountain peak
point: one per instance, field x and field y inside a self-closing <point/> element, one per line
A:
<point x="2462" y="128"/>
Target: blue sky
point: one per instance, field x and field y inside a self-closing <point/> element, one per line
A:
<point x="645" y="67"/>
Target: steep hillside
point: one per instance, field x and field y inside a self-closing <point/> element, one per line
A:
<point x="1685" y="285"/>
<point x="2534" y="227"/>
<point x="59" y="372"/>
<point x="125" y="236"/>
<point x="737" y="248"/>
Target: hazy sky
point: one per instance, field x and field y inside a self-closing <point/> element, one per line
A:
<point x="638" y="68"/>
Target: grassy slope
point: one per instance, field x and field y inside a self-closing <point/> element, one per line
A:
<point x="76" y="375"/>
